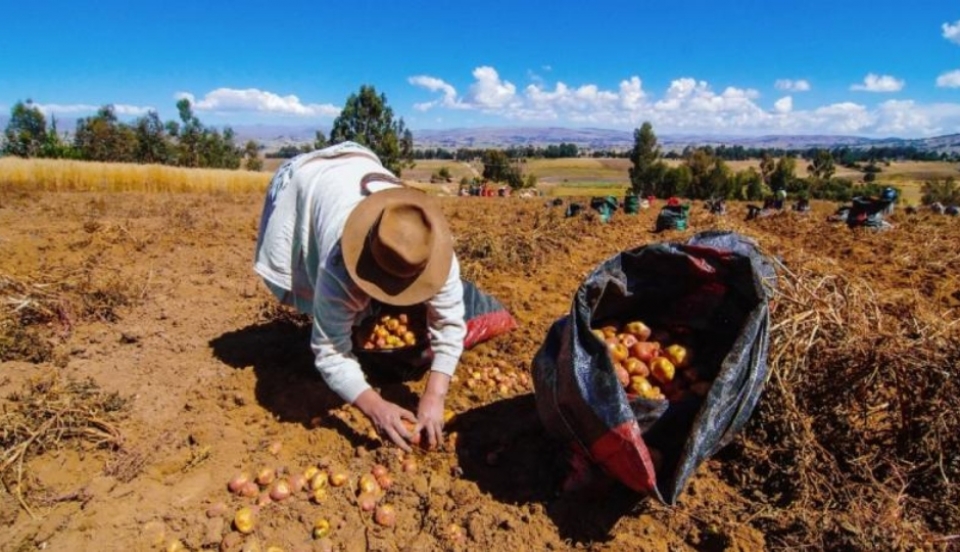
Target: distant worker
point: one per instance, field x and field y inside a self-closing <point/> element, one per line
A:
<point x="890" y="196"/>
<point x="867" y="212"/>
<point x="717" y="206"/>
<point x="779" y="198"/>
<point x="673" y="216"/>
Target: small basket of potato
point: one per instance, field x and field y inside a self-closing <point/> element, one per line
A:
<point x="392" y="343"/>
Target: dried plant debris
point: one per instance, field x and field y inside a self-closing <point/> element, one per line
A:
<point x="50" y="413"/>
<point x="35" y="316"/>
<point x="848" y="359"/>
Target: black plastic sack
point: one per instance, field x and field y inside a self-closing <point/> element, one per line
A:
<point x="573" y="210"/>
<point x="867" y="212"/>
<point x="672" y="217"/>
<point x="486" y="318"/>
<point x="606" y="206"/>
<point x="714" y="289"/>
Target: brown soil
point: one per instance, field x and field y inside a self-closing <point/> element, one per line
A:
<point x="152" y="297"/>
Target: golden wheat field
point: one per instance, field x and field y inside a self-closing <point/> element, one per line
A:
<point x="144" y="366"/>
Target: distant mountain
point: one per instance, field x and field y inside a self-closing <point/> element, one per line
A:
<point x="275" y="136"/>
<point x="585" y="138"/>
<point x="594" y="138"/>
<point x="483" y="137"/>
<point x="272" y="137"/>
<point x="948" y="143"/>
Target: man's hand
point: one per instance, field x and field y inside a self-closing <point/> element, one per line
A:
<point x="430" y="410"/>
<point x="387" y="417"/>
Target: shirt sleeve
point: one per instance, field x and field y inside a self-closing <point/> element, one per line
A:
<point x="445" y="318"/>
<point x="336" y="305"/>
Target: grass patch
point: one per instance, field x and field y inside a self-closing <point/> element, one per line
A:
<point x="585" y="190"/>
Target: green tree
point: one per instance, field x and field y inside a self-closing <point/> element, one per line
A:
<point x="319" y="140"/>
<point x="870" y="171"/>
<point x="368" y="120"/>
<point x="103" y="137"/>
<point x="190" y="135"/>
<point x="55" y="146"/>
<point x="26" y="131"/>
<point x="648" y="169"/>
<point x="767" y="166"/>
<point x="701" y="163"/>
<point x="822" y="166"/>
<point x="752" y="184"/>
<point x="498" y="167"/>
<point x="946" y="191"/>
<point x="218" y="150"/>
<point x="720" y="182"/>
<point x="675" y="182"/>
<point x="153" y="145"/>
<point x="252" y="152"/>
<point x="783" y="174"/>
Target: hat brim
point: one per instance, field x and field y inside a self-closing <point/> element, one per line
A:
<point x="359" y="262"/>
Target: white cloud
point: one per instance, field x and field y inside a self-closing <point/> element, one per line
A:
<point x="255" y="100"/>
<point x="799" y="85"/>
<point x="631" y="93"/>
<point x="122" y="110"/>
<point x="843" y="117"/>
<point x="66" y="109"/>
<point x="434" y="84"/>
<point x="489" y="92"/>
<point x="878" y="83"/>
<point x="950" y="79"/>
<point x="131" y="110"/>
<point x="897" y="116"/>
<point x="952" y="32"/>
<point x="783" y="105"/>
<point x="686" y="105"/>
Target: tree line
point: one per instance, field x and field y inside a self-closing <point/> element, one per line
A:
<point x="366" y="118"/>
<point x="702" y="174"/>
<point x="103" y="137"/>
<point x="855" y="158"/>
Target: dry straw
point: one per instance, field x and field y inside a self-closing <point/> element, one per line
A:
<point x="57" y="175"/>
<point x="47" y="413"/>
<point x="856" y="438"/>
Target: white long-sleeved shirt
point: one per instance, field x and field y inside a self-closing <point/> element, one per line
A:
<point x="298" y="250"/>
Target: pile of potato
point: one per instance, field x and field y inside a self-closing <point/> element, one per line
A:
<point x="647" y="369"/>
<point x="390" y="332"/>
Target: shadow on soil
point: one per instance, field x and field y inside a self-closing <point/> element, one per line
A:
<point x="288" y="385"/>
<point x="503" y="447"/>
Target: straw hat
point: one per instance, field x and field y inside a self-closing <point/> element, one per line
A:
<point x="397" y="246"/>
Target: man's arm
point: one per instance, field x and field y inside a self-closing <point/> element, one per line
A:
<point x="447" y="327"/>
<point x="337" y="302"/>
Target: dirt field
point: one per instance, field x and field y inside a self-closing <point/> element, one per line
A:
<point x="151" y="298"/>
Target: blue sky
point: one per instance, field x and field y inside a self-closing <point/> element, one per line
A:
<point x="748" y="67"/>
